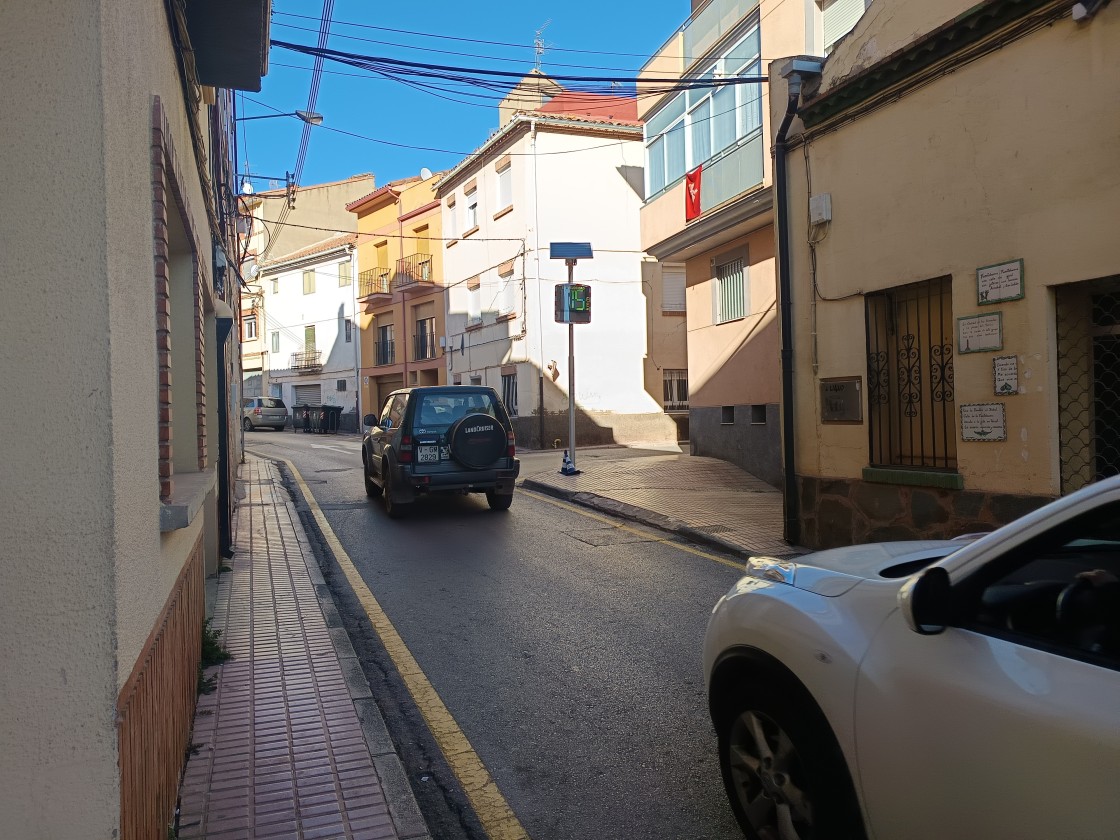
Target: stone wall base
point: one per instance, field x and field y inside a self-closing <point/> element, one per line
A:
<point x="837" y="512"/>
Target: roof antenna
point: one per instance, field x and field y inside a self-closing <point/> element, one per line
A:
<point x="539" y="46"/>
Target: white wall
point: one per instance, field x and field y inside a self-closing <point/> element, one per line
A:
<point x="289" y="311"/>
<point x="576" y="189"/>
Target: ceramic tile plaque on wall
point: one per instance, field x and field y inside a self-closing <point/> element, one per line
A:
<point x="1005" y="372"/>
<point x="980" y="333"/>
<point x="997" y="283"/>
<point x="983" y="422"/>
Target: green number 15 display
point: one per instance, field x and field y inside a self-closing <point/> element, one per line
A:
<point x="573" y="303"/>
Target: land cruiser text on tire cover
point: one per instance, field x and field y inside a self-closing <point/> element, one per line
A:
<point x="477" y="441"/>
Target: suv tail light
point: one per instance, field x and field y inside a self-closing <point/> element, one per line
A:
<point x="511" y="450"/>
<point x="404" y="454"/>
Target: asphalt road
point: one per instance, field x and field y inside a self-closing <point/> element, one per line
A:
<point x="566" y="648"/>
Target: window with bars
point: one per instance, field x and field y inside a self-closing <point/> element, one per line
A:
<point x="730" y="291"/>
<point x="676" y="389"/>
<point x="509" y="393"/>
<point x="910" y="384"/>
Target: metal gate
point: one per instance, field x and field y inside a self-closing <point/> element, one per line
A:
<point x="1088" y="338"/>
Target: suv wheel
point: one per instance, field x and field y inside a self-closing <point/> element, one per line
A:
<point x="372" y="489"/>
<point x="499" y="501"/>
<point x="395" y="509"/>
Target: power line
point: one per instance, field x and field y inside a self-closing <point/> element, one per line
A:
<point x="416" y="68"/>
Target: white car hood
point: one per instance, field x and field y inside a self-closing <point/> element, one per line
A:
<point x="834" y="571"/>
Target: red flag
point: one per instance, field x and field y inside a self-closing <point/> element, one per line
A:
<point x="692" y="194"/>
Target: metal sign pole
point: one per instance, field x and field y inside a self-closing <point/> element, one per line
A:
<point x="571" y="377"/>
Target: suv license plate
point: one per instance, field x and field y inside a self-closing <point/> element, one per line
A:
<point x="427" y="454"/>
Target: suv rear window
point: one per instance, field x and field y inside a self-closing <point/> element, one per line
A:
<point x="270" y="403"/>
<point x="435" y="412"/>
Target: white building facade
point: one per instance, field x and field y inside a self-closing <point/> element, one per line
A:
<point x="305" y="320"/>
<point x="555" y="176"/>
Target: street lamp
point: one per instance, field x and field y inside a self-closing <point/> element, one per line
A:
<point x="309" y="117"/>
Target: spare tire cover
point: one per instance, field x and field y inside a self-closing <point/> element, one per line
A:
<point x="477" y="440"/>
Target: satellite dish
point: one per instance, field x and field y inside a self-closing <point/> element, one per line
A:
<point x="425" y="173"/>
<point x="246" y="187"/>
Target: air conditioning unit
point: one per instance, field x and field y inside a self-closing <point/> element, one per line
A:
<point x="340" y="385"/>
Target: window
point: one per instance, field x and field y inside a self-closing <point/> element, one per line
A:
<point x="911" y="414"/>
<point x="696" y="125"/>
<point x="505" y="187"/>
<point x="729" y="292"/>
<point x="275" y="285"/>
<point x="676" y="390"/>
<point x="509" y="393"/>
<point x="1059" y="591"/>
<point x="471" y="221"/>
<point x="474" y="302"/>
<point x="250" y="328"/>
<point x="349" y="326"/>
<point x="758" y="415"/>
<point x="672" y="288"/>
<point x="309" y="338"/>
<point x="345" y="275"/>
<point x="309" y="281"/>
<point x="476" y="380"/>
<point x="384" y="351"/>
<point x="452" y="219"/>
<point x="276" y="341"/>
<point x="838" y="18"/>
<point x="340" y="384"/>
<point x="507" y="301"/>
<point x="727" y="415"/>
<point x="425" y="339"/>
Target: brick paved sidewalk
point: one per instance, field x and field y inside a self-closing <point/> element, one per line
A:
<point x="704" y="499"/>
<point x="284" y="743"/>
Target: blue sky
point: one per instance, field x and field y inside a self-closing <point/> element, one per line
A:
<point x="390" y="110"/>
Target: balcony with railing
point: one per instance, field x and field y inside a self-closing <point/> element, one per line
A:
<point x="373" y="284"/>
<point x="307" y="361"/>
<point x="384" y="352"/>
<point x="424" y="347"/>
<point x="414" y="275"/>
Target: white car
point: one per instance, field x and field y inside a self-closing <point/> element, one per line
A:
<point x="945" y="690"/>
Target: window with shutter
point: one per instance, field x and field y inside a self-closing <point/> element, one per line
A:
<point x="839" y="16"/>
<point x="672" y="291"/>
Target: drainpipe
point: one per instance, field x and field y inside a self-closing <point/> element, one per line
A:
<point x="792" y="72"/>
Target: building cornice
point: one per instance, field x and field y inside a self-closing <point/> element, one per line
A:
<point x="521" y="123"/>
<point x="699" y="233"/>
<point x="988" y="25"/>
<point x="281" y="266"/>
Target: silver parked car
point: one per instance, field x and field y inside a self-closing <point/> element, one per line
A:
<point x="266" y="412"/>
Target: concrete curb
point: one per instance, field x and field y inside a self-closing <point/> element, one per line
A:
<point x="633" y="513"/>
<point x="403" y="808"/>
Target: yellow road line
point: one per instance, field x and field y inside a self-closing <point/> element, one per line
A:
<point x="495" y="814"/>
<point x="582" y="511"/>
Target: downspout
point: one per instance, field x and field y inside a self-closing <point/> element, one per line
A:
<point x="792" y="72"/>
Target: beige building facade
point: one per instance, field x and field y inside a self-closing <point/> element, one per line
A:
<point x="120" y="296"/>
<point x="714" y="139"/>
<point x="955" y="287"/>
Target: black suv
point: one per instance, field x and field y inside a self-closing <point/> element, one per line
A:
<point x="440" y="439"/>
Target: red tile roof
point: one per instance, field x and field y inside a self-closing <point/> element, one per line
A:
<point x="598" y="106"/>
<point x="385" y="190"/>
